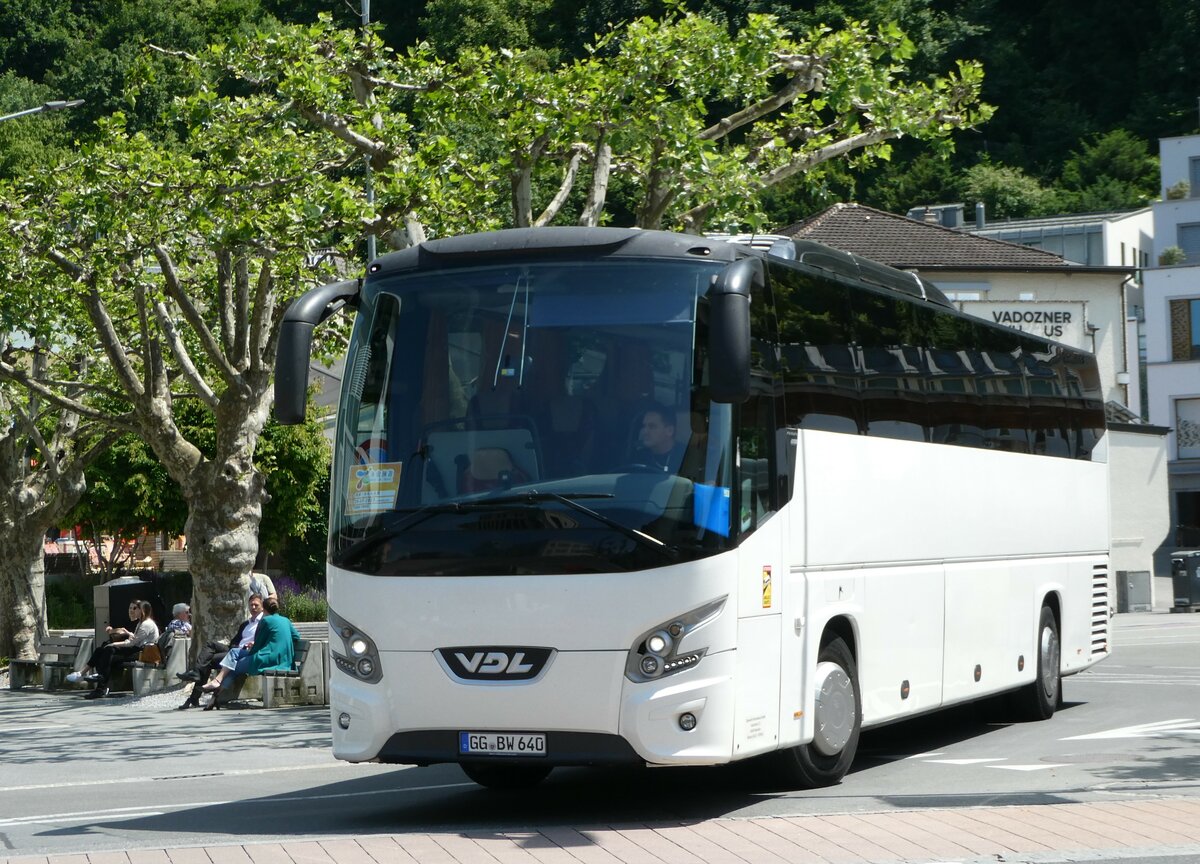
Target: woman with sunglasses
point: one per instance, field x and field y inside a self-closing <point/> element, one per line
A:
<point x="122" y="645"/>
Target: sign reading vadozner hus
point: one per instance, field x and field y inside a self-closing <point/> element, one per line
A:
<point x="1062" y="322"/>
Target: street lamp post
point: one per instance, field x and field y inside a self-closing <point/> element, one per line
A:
<point x="54" y="105"/>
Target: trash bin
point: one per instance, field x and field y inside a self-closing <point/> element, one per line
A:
<point x="1133" y="591"/>
<point x="112" y="604"/>
<point x="1185" y="577"/>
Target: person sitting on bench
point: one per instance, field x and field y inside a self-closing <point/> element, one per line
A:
<point x="122" y="646"/>
<point x="210" y="656"/>
<point x="274" y="649"/>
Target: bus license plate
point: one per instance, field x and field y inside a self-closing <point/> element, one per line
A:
<point x="501" y="743"/>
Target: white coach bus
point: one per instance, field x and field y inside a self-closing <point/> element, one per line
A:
<point x="607" y="496"/>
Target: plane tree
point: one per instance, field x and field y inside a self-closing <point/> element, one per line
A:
<point x="168" y="259"/>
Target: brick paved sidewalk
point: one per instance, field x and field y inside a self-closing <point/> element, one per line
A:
<point x="1161" y="826"/>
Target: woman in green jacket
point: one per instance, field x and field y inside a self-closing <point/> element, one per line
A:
<point x="273" y="650"/>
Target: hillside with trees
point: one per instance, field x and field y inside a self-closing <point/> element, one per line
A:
<point x="1081" y="93"/>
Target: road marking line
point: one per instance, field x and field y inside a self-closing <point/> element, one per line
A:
<point x="1039" y="767"/>
<point x="1185" y="726"/>
<point x="965" y="761"/>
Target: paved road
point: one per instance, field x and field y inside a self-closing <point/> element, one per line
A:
<point x="1115" y="774"/>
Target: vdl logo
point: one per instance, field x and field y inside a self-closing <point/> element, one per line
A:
<point x="495" y="664"/>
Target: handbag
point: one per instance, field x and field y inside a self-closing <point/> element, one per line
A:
<point x="150" y="654"/>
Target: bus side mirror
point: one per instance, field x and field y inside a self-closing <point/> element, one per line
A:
<point x="295" y="345"/>
<point x="729" y="330"/>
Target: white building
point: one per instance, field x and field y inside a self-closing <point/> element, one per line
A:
<point x="1172" y="301"/>
<point x="1083" y="305"/>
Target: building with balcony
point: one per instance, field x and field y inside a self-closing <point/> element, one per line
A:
<point x="1172" y="303"/>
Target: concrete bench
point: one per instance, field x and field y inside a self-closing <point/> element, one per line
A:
<point x="149" y="677"/>
<point x="306" y="683"/>
<point x="57" y="656"/>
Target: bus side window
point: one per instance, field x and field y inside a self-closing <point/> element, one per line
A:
<point x="817" y="366"/>
<point x="755" y="439"/>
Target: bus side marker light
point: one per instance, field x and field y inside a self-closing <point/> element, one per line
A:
<point x="904" y="689"/>
<point x="796" y="715"/>
<point x="1021" y="663"/>
<point x="978" y="672"/>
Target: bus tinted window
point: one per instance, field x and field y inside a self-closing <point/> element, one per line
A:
<point x="888" y="339"/>
<point x="819" y="368"/>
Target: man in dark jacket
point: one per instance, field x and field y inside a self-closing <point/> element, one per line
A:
<point x="208" y="660"/>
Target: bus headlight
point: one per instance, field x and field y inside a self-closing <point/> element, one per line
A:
<point x="659" y="651"/>
<point x="359" y="658"/>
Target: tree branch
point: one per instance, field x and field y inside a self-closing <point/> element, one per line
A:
<point x="20" y="376"/>
<point x="176" y="293"/>
<point x="809" y="78"/>
<point x="110" y="341"/>
<point x="379" y="153"/>
<point x="263" y="313"/>
<point x="225" y="295"/>
<point x="564" y="188"/>
<point x="601" y="169"/>
<point x="183" y="357"/>
<point x="241" y="314"/>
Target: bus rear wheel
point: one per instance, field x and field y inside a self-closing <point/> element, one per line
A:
<point x="838" y="721"/>
<point x="505" y="776"/>
<point x="1038" y="700"/>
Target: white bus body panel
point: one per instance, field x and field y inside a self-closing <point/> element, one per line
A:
<point x="591" y="621"/>
<point x="937" y="576"/>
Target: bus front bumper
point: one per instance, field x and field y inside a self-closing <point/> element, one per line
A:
<point x="590" y="713"/>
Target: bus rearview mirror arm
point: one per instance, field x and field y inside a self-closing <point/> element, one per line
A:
<point x="295" y="344"/>
<point x="729" y="330"/>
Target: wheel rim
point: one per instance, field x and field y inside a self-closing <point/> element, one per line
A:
<point x="1048" y="649"/>
<point x="835" y="709"/>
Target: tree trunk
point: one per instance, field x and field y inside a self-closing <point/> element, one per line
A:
<point x="22" y="591"/>
<point x="225" y="502"/>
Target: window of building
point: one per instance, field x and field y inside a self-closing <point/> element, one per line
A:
<point x="1187" y="428"/>
<point x="1194" y="174"/>
<point x="1187" y="519"/>
<point x="956" y="291"/>
<point x="1189" y="241"/>
<point x="1185" y="329"/>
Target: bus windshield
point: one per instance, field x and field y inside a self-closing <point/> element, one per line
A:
<point x="528" y="419"/>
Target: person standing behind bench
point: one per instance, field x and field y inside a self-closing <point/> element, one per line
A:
<point x="210" y="656"/>
<point x="274" y="649"/>
<point x="122" y="646"/>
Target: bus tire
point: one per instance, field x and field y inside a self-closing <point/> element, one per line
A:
<point x="838" y="719"/>
<point x="505" y="776"/>
<point x="1037" y="701"/>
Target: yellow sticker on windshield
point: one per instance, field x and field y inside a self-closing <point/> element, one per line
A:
<point x="373" y="488"/>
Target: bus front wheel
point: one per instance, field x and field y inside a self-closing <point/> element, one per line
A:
<point x="838" y="722"/>
<point x="1038" y="700"/>
<point x="505" y="776"/>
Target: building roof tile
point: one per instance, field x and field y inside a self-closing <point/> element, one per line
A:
<point x="906" y="243"/>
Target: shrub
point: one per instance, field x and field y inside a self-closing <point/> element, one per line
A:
<point x="69" y="605"/>
<point x="309" y="605"/>
<point x="1171" y="256"/>
<point x="1179" y="190"/>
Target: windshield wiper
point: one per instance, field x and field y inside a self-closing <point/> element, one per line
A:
<point x="568" y="500"/>
<point x="416" y="517"/>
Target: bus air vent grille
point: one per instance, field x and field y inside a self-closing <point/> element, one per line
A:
<point x="1099" y="610"/>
